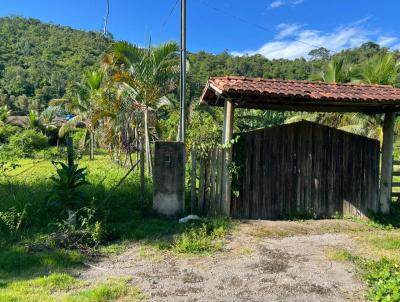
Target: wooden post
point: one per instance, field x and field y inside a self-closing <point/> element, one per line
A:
<point x="227" y="157"/>
<point x="386" y="163"/>
<point x="193" y="182"/>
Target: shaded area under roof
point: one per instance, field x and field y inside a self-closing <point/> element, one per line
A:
<point x="283" y="95"/>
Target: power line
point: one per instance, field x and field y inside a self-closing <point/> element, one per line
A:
<point x="243" y="20"/>
<point x="169" y="15"/>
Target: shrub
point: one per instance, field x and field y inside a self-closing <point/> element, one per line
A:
<point x="6" y="131"/>
<point x="12" y="219"/>
<point x="66" y="193"/>
<point x="28" y="141"/>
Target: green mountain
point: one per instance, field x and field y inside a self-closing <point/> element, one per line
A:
<point x="38" y="62"/>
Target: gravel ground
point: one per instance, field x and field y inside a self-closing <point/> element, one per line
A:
<point x="250" y="268"/>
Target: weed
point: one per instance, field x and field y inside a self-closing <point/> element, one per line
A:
<point x="204" y="238"/>
<point x="382" y="276"/>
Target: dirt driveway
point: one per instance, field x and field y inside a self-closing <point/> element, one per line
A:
<point x="256" y="265"/>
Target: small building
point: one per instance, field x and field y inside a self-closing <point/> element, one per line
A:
<point x="304" y="167"/>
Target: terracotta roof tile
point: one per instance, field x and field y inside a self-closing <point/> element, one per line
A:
<point x="320" y="93"/>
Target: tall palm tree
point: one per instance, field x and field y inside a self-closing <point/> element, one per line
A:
<point x="336" y="71"/>
<point x="83" y="106"/>
<point x="148" y="74"/>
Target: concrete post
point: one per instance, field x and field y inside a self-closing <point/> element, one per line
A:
<point x="387" y="162"/>
<point x="227" y="156"/>
<point x="168" y="177"/>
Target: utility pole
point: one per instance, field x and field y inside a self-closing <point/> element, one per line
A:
<point x="182" y="128"/>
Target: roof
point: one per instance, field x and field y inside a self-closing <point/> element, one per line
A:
<point x="20" y="121"/>
<point x="259" y="93"/>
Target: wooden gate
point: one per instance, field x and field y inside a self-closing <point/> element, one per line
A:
<point x="304" y="168"/>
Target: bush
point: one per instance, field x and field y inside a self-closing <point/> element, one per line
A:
<point x="28" y="141"/>
<point x="6" y="131"/>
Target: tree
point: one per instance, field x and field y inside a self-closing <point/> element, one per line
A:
<point x="83" y="106"/>
<point x="380" y="69"/>
<point x="336" y="71"/>
<point x="319" y="54"/>
<point x="148" y="74"/>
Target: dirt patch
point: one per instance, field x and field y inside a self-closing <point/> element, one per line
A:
<point x="292" y="268"/>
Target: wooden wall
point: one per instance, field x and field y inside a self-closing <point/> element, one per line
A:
<point x="304" y="168"/>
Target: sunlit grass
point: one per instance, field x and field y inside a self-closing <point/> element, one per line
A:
<point x="66" y="288"/>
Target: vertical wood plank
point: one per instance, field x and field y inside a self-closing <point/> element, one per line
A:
<point x="202" y="184"/>
<point x="193" y="181"/>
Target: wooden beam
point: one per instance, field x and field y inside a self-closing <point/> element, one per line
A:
<point x="387" y="162"/>
<point x="227" y="157"/>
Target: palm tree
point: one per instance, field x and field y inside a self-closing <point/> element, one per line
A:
<point x="148" y="74"/>
<point x="83" y="106"/>
<point x="336" y="71"/>
<point x="381" y="69"/>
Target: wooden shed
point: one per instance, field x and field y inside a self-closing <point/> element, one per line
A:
<point x="304" y="167"/>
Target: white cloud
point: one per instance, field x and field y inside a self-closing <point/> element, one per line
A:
<point x="285" y="30"/>
<point x="294" y="41"/>
<point x="279" y="3"/>
<point x="387" y="41"/>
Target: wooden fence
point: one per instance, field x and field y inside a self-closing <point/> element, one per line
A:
<point x="206" y="182"/>
<point x="304" y="168"/>
<point x="395" y="179"/>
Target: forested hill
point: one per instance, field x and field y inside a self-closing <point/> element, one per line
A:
<point x="38" y="61"/>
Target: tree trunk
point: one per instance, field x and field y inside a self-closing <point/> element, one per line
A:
<point x="142" y="176"/>
<point x="70" y="151"/>
<point x="91" y="145"/>
<point x="147" y="141"/>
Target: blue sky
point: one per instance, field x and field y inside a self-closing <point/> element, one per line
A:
<point x="273" y="28"/>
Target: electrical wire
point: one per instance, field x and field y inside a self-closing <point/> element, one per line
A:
<point x="168" y="17"/>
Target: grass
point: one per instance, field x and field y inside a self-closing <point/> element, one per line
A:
<point x="382" y="276"/>
<point x="201" y="239"/>
<point x="16" y="261"/>
<point x="66" y="288"/>
<point x="34" y="268"/>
